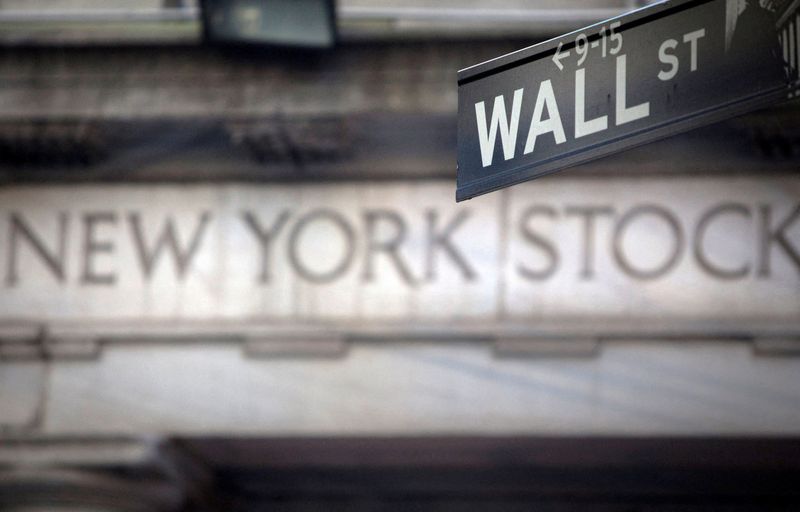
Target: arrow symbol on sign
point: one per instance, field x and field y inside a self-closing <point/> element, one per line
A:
<point x="558" y="56"/>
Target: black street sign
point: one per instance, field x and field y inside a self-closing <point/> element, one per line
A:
<point x="646" y="75"/>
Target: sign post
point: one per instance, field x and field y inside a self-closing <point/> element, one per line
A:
<point x="652" y="73"/>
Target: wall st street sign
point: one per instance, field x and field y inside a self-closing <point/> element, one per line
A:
<point x="617" y="84"/>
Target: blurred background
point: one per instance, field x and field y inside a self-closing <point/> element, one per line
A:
<point x="233" y="275"/>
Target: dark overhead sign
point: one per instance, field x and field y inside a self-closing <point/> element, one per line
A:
<point x="289" y="23"/>
<point x="649" y="74"/>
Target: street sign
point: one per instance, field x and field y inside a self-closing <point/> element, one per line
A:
<point x="646" y="75"/>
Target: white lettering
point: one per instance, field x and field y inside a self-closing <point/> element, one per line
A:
<point x="627" y="114"/>
<point x="508" y="130"/>
<point x="583" y="127"/>
<point x="692" y="38"/>
<point x="546" y="97"/>
<point x="669" y="59"/>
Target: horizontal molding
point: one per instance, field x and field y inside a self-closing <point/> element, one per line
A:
<point x="565" y="337"/>
<point x="355" y="23"/>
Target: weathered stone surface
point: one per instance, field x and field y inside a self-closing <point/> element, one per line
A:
<point x="22" y="390"/>
<point x="629" y="388"/>
<point x="698" y="249"/>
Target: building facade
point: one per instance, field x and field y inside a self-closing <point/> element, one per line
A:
<point x="237" y="278"/>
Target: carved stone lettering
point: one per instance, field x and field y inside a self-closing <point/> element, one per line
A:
<point x="663" y="247"/>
